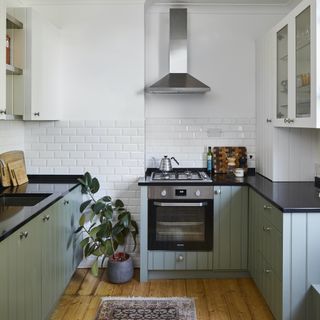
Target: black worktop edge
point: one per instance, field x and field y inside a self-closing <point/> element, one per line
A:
<point x="54" y="178"/>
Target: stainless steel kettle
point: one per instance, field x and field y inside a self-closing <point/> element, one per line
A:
<point x="165" y="163"/>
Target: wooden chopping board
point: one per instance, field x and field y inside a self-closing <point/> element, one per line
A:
<point x="220" y="155"/>
<point x="17" y="172"/>
<point x="6" y="158"/>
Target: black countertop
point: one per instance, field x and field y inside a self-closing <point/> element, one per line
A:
<point x="16" y="217"/>
<point x="287" y="196"/>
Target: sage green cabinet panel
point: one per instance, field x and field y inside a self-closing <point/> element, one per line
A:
<point x="266" y="250"/>
<point x="38" y="260"/>
<point x="179" y="260"/>
<point x="230" y="227"/>
<point x="24" y="272"/>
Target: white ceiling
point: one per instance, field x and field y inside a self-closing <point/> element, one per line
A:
<point x="220" y="2"/>
<point x="236" y="2"/>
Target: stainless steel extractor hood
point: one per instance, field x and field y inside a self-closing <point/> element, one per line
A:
<point x="178" y="80"/>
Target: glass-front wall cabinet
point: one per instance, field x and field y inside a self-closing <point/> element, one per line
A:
<point x="282" y="73"/>
<point x="303" y="65"/>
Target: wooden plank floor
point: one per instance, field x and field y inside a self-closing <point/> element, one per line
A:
<point x="221" y="299"/>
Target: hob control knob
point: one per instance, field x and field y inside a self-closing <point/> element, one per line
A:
<point x="198" y="193"/>
<point x="164" y="192"/>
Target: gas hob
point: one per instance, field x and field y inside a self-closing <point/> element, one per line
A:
<point x="180" y="175"/>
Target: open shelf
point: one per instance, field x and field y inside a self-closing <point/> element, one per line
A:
<point x="12" y="70"/>
<point x="13" y="23"/>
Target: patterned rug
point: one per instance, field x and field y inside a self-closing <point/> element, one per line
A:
<point x="144" y="308"/>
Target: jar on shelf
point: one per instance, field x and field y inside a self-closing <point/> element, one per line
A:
<point x="7" y="50"/>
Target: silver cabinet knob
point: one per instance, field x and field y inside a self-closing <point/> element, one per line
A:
<point x="269" y="120"/>
<point x="198" y="193"/>
<point x="180" y="258"/>
<point x="37" y="114"/>
<point x="46" y="218"/>
<point x="3" y="111"/>
<point x="266" y="229"/>
<point x="24" y="234"/>
<point x="267" y="207"/>
<point x="267" y="270"/>
<point x="163" y="192"/>
<point x="65" y="202"/>
<point x="218" y="191"/>
<point x="285" y="120"/>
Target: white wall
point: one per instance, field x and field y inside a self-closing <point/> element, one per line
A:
<point x="11" y="135"/>
<point x="102" y="60"/>
<point x="221" y="54"/>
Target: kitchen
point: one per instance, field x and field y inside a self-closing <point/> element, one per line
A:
<point x="108" y="126"/>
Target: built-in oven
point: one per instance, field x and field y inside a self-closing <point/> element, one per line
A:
<point x="180" y="218"/>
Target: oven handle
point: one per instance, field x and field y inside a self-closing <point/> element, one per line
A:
<point x="180" y="204"/>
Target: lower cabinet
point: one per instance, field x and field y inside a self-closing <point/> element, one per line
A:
<point x="230" y="228"/>
<point x="38" y="260"/>
<point x="265" y="250"/>
<point x="179" y="260"/>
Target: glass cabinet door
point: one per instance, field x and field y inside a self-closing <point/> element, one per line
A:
<point x="303" y="65"/>
<point x="282" y="73"/>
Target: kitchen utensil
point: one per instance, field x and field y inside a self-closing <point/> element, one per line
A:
<point x="18" y="172"/>
<point x="5" y="158"/>
<point x="165" y="163"/>
<point x="239" y="172"/>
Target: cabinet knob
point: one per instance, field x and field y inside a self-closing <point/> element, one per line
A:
<point x="267" y="270"/>
<point x="269" y="120"/>
<point x="180" y="258"/>
<point x="24" y="234"/>
<point x="46" y="218"/>
<point x="218" y="191"/>
<point x="65" y="202"/>
<point x="37" y="114"/>
<point x="290" y="120"/>
<point x="3" y="111"/>
<point x="266" y="229"/>
<point x="266" y="207"/>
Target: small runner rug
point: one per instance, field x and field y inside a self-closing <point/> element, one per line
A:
<point x="141" y="308"/>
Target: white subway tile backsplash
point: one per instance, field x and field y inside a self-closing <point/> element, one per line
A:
<point x="187" y="138"/>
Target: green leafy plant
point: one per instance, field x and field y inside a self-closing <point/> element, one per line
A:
<point x="110" y="223"/>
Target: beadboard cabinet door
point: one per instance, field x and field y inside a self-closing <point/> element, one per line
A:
<point x="230" y="228"/>
<point x="24" y="272"/>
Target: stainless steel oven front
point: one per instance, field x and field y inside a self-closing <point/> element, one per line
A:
<point x="180" y="218"/>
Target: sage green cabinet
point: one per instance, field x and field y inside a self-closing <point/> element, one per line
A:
<point x="179" y="260"/>
<point x="230" y="228"/>
<point x="38" y="260"/>
<point x="265" y="250"/>
<point x="20" y="269"/>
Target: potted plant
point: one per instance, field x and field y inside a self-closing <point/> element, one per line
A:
<point x="106" y="225"/>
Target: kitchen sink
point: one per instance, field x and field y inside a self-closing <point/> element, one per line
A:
<point x="22" y="199"/>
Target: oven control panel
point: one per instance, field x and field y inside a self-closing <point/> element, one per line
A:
<point x="180" y="192"/>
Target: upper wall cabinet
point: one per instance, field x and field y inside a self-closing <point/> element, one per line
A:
<point x="42" y="94"/>
<point x="29" y="69"/>
<point x="296" y="42"/>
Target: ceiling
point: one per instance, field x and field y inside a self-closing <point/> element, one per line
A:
<point x="236" y="2"/>
<point x="220" y="2"/>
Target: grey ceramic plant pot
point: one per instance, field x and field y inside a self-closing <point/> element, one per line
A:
<point x="120" y="271"/>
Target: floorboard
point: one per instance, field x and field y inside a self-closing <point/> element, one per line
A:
<point x="216" y="299"/>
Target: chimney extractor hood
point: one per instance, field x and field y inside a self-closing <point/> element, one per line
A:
<point x="178" y="80"/>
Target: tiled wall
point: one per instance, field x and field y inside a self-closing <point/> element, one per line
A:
<point x="11" y="135"/>
<point x="187" y="139"/>
<point x="113" y="151"/>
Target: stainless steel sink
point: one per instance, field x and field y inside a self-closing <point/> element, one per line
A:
<point x="22" y="199"/>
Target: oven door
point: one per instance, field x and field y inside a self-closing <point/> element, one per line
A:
<point x="180" y="225"/>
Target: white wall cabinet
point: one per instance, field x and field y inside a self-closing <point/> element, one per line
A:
<point x="42" y="94"/>
<point x="295" y="43"/>
<point x="29" y="85"/>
